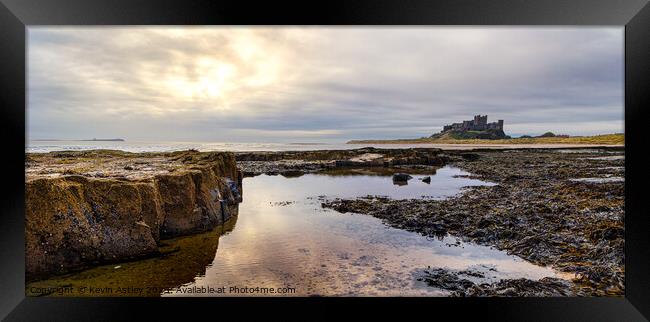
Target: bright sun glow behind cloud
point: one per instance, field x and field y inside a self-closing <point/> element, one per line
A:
<point x="214" y="82"/>
<point x="212" y="74"/>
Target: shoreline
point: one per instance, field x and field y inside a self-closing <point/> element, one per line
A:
<point x="497" y="146"/>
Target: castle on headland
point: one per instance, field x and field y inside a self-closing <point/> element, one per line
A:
<point x="479" y="123"/>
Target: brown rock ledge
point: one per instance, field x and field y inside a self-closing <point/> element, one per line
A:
<point x="91" y="207"/>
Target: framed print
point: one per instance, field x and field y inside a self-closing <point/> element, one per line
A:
<point x="193" y="156"/>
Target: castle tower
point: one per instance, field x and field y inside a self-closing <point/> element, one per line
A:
<point x="482" y="120"/>
<point x="501" y="125"/>
<point x="479" y="122"/>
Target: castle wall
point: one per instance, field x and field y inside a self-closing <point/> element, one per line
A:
<point x="479" y="123"/>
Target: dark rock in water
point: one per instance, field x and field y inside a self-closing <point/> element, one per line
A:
<point x="450" y="280"/>
<point x="426" y="179"/>
<point x="440" y="278"/>
<point x="401" y="177"/>
<point x="522" y="287"/>
<point x="292" y="173"/>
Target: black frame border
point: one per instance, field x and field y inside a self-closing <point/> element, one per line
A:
<point x="17" y="15"/>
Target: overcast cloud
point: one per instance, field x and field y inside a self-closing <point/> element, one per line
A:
<point x="319" y="84"/>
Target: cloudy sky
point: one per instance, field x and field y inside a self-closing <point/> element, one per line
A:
<point x="306" y="84"/>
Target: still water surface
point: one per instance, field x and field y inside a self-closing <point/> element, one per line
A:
<point x="284" y="238"/>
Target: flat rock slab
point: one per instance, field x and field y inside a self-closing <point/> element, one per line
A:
<point x="112" y="164"/>
<point x="366" y="157"/>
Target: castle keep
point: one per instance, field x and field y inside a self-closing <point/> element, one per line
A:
<point x="479" y="123"/>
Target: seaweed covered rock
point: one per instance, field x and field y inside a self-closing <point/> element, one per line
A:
<point x="92" y="207"/>
<point x="522" y="287"/>
<point x="536" y="211"/>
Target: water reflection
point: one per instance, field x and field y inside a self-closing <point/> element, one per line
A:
<point x="349" y="183"/>
<point x="284" y="238"/>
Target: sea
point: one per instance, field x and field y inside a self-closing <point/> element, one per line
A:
<point x="42" y="146"/>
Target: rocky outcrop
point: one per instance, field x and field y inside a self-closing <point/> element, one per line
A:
<point x="388" y="157"/>
<point x="458" y="285"/>
<point x="87" y="208"/>
<point x="295" y="162"/>
<point x="537" y="211"/>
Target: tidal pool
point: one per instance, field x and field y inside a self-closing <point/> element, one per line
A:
<point x="284" y="240"/>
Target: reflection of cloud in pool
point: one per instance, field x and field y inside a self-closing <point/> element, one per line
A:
<point x="329" y="253"/>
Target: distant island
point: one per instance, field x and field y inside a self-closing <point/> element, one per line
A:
<point x="479" y="131"/>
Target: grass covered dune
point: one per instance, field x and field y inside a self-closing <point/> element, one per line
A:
<point x="605" y="139"/>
